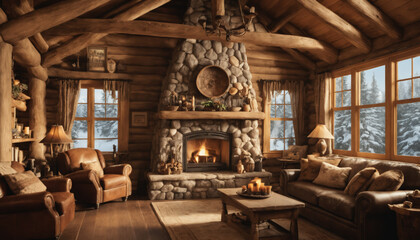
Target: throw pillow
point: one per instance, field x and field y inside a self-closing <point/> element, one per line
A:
<point x="310" y="168"/>
<point x="361" y="181"/>
<point x="6" y="168"/>
<point x="95" y="166"/>
<point x="23" y="183"/>
<point x="332" y="176"/>
<point x="388" y="181"/>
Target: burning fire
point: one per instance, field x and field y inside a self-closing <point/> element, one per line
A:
<point x="202" y="154"/>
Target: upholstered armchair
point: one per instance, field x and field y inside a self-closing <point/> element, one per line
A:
<point x="93" y="182"/>
<point x="41" y="215"/>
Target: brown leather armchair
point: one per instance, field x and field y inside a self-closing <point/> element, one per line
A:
<point x="41" y="215"/>
<point x="87" y="185"/>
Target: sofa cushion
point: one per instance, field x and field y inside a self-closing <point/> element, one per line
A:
<point x="62" y="201"/>
<point x="113" y="180"/>
<point x="26" y="182"/>
<point x="332" y="176"/>
<point x="388" y="181"/>
<point x="307" y="191"/>
<point x="95" y="166"/>
<point x="310" y="168"/>
<point x="338" y="203"/>
<point x="361" y="181"/>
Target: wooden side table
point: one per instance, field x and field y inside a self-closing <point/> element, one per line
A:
<point x="259" y="210"/>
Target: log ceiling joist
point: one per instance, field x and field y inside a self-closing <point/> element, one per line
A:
<point x="45" y="18"/>
<point x="277" y="24"/>
<point x="377" y="17"/>
<point x="349" y="32"/>
<point x="159" y="29"/>
<point x="73" y="46"/>
<point x="22" y="7"/>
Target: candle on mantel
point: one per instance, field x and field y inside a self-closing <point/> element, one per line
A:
<point x="26" y="131"/>
<point x="19" y="128"/>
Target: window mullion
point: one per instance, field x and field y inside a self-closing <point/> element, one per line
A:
<point x="91" y="115"/>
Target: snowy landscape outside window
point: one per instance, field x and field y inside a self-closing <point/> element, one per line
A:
<point x="342" y="113"/>
<point x="282" y="133"/>
<point x="96" y="123"/>
<point x="372" y="110"/>
<point x="408" y="106"/>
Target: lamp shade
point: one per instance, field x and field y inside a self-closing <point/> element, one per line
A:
<point x="321" y="131"/>
<point x="56" y="135"/>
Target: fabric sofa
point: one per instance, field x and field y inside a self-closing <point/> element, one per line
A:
<point x="41" y="215"/>
<point x="365" y="216"/>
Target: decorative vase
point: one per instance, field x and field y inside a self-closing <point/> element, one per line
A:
<point x="246" y="108"/>
<point x="250" y="165"/>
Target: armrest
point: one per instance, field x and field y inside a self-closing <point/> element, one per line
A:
<point x="26" y="202"/>
<point x="124" y="169"/>
<point x="84" y="176"/>
<point x="57" y="184"/>
<point x="377" y="201"/>
<point x="286" y="176"/>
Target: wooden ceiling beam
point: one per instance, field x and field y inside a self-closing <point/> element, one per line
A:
<point x="352" y="34"/>
<point x="377" y="17"/>
<point x="159" y="29"/>
<point x="42" y="19"/>
<point x="26" y="55"/>
<point x="18" y="8"/>
<point x="76" y="44"/>
<point x="277" y="24"/>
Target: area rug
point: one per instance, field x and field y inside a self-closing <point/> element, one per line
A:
<point x="200" y="220"/>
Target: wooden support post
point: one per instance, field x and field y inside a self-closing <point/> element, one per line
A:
<point x="75" y="45"/>
<point x="37" y="114"/>
<point x="5" y="102"/>
<point x="5" y="97"/>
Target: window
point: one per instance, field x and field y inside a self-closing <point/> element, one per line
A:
<point x="376" y="109"/>
<point x="282" y="133"/>
<point x="408" y="106"/>
<point x="97" y="118"/>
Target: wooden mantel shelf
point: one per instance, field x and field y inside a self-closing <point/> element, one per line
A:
<point x="182" y="115"/>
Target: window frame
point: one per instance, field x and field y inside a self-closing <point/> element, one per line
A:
<point x="390" y="104"/>
<point x="267" y="152"/>
<point x="91" y="85"/>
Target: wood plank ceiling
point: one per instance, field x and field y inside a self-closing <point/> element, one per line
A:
<point x="345" y="28"/>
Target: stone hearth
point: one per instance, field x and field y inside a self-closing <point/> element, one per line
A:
<point x="198" y="185"/>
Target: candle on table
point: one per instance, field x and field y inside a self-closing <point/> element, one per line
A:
<point x="250" y="187"/>
<point x="269" y="189"/>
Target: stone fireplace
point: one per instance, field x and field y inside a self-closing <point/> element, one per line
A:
<point x="206" y="151"/>
<point x="181" y="136"/>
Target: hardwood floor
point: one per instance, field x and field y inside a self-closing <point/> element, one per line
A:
<point x="133" y="219"/>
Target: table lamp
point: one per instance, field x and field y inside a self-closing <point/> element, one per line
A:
<point x="57" y="136"/>
<point x="322" y="133"/>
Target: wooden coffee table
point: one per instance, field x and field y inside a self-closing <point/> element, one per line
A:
<point x="262" y="210"/>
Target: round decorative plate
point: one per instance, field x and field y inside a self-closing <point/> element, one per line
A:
<point x="212" y="81"/>
<point x="252" y="195"/>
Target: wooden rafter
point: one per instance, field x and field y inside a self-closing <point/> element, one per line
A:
<point x="277" y="24"/>
<point x="352" y="34"/>
<point x="159" y="29"/>
<point x="26" y="55"/>
<point x="75" y="45"/>
<point x="377" y="17"/>
<point x="42" y="19"/>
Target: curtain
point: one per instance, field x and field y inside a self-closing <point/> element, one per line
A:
<point x="123" y="97"/>
<point x="68" y="99"/>
<point x="323" y="106"/>
<point x="322" y="92"/>
<point x="296" y="91"/>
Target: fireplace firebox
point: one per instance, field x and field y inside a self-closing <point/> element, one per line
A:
<point x="205" y="151"/>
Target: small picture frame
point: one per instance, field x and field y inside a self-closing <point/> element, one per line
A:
<point x="139" y="119"/>
<point x="96" y="59"/>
